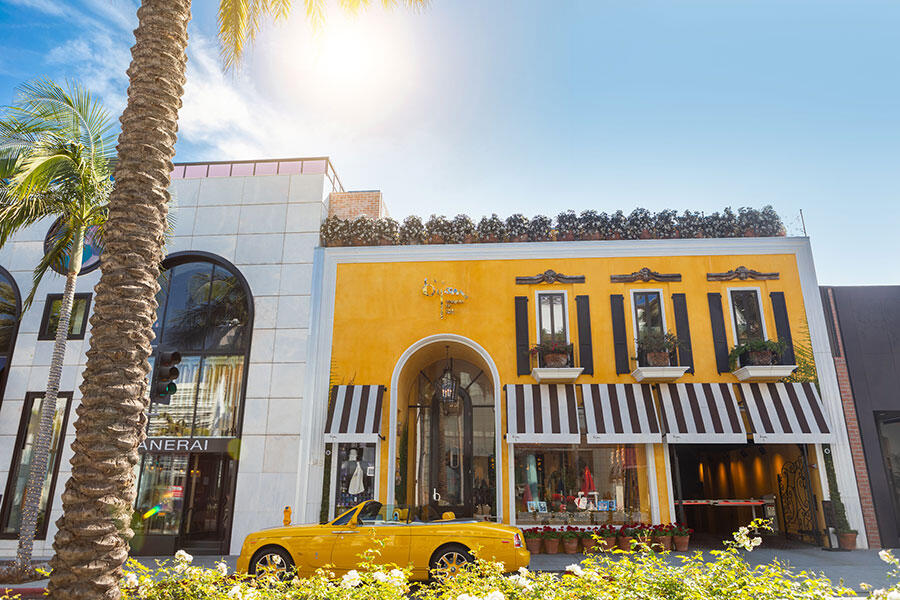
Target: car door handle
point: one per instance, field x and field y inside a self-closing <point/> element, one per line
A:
<point x="349" y="531"/>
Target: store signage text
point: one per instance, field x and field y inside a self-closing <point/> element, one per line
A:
<point x="178" y="444"/>
<point x="449" y="296"/>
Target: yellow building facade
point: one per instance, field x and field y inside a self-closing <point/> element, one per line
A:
<point x="435" y="402"/>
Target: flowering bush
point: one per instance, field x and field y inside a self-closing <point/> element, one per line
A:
<point x="690" y="224"/>
<point x="438" y="230"/>
<point x="681" y="529"/>
<point x="567" y="226"/>
<point x="539" y="229"/>
<point x="491" y="229"/>
<point x="362" y="231"/>
<point x="516" y="227"/>
<point x="412" y="231"/>
<point x="617" y="227"/>
<point x="892" y="592"/>
<point x="334" y="231"/>
<point x="664" y="224"/>
<point x="386" y="231"/>
<point x="639" y="224"/>
<point x="462" y="230"/>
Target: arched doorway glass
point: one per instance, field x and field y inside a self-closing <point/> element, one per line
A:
<point x="453" y="424"/>
<point x="189" y="464"/>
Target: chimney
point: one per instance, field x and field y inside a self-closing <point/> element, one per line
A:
<point x="349" y="205"/>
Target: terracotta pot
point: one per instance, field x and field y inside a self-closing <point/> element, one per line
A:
<point x="589" y="545"/>
<point x="681" y="542"/>
<point x="657" y="359"/>
<point x="556" y="360"/>
<point x="566" y="237"/>
<point x="616" y="236"/>
<point x="760" y="358"/>
<point x="645" y="234"/>
<point x="436" y="239"/>
<point x="533" y="545"/>
<point x="659" y="543"/>
<point x="570" y="545"/>
<point x="594" y="235"/>
<point x="749" y="233"/>
<point x="666" y="541"/>
<point x="606" y="544"/>
<point x="624" y="543"/>
<point x="551" y="545"/>
<point x="847" y="540"/>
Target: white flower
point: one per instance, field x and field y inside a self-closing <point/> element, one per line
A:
<point x="182" y="556"/>
<point x="523" y="571"/>
<point x="397" y="577"/>
<point x="351" y="579"/>
<point x="756" y="542"/>
<point x="467" y="597"/>
<point x="235" y="592"/>
<point x="222" y="568"/>
<point x="893" y="595"/>
<point x="521" y="581"/>
<point x="250" y="594"/>
<point x="131" y="580"/>
<point x="886" y="556"/>
<point x="495" y="595"/>
<point x="575" y="570"/>
<point x="380" y="577"/>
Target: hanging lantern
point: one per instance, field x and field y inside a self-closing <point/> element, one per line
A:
<point x="447" y="386"/>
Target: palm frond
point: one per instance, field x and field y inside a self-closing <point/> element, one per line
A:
<point x="57" y="256"/>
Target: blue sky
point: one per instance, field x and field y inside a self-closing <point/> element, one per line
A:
<point x="479" y="106"/>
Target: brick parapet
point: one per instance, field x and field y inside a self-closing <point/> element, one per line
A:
<point x="349" y="205"/>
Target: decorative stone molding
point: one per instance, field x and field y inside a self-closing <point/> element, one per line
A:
<point x="742" y="273"/>
<point x="645" y="275"/>
<point x="549" y="276"/>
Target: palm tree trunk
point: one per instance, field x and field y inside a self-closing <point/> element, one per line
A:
<point x="92" y="542"/>
<point x="37" y="475"/>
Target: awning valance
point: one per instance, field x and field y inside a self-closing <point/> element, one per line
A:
<point x="542" y="414"/>
<point x="620" y="413"/>
<point x="701" y="413"/>
<point x="786" y="413"/>
<point x="354" y="413"/>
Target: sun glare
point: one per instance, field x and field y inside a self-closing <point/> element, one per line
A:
<point x="363" y="63"/>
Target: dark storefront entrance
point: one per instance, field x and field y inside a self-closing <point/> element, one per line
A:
<point x="184" y="502"/>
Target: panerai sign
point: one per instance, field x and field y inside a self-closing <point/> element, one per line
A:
<point x="448" y="295"/>
<point x="180" y="444"/>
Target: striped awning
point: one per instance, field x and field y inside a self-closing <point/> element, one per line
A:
<point x="701" y="413"/>
<point x="620" y="413"/>
<point x="542" y="414"/>
<point x="354" y="413"/>
<point x="782" y="413"/>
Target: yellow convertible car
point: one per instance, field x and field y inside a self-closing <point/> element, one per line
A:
<point x="442" y="545"/>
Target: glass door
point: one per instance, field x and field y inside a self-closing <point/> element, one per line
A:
<point x="451" y="457"/>
<point x="206" y="520"/>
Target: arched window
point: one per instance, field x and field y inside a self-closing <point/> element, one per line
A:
<point x="185" y="493"/>
<point x="205" y="312"/>
<point x="10" y="309"/>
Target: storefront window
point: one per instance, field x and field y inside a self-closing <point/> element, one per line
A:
<point x="354" y="475"/>
<point x="9" y="321"/>
<point x="552" y="316"/>
<point x="577" y="484"/>
<point x="161" y="493"/>
<point x="77" y="320"/>
<point x="748" y="323"/>
<point x="14" y="497"/>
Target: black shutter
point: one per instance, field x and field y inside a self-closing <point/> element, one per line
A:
<point x="683" y="332"/>
<point x="783" y="327"/>
<point x="620" y="343"/>
<point x="720" y="344"/>
<point x="585" y="348"/>
<point x="523" y="360"/>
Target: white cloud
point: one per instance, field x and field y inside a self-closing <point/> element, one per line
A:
<point x="49" y="7"/>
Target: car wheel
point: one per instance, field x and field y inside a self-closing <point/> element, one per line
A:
<point x="448" y="560"/>
<point x="274" y="560"/>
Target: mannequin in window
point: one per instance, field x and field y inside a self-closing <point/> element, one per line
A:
<point x="353" y="478"/>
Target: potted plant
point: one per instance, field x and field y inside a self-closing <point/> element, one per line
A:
<point x="462" y="230"/>
<point x="747" y="221"/>
<point x="335" y="231"/>
<point x="553" y="354"/>
<point x="517" y="228"/>
<point x="606" y="537"/>
<point x="570" y="538"/>
<point x="617" y="226"/>
<point x="681" y="536"/>
<point x="438" y="230"/>
<point x="656" y="347"/>
<point x="627" y="533"/>
<point x="690" y="224"/>
<point x="769" y="224"/>
<point x="588" y="540"/>
<point x="759" y="352"/>
<point x="639" y="225"/>
<point x="567" y="226"/>
<point x="551" y="540"/>
<point x="412" y="231"/>
<point x="665" y="224"/>
<point x="362" y="231"/>
<point x="539" y="229"/>
<point x="533" y="540"/>
<point x="491" y="229"/>
<point x="845" y="534"/>
<point x="661" y="538"/>
<point x="386" y="231"/>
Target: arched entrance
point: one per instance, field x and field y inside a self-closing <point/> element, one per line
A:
<point x="444" y="430"/>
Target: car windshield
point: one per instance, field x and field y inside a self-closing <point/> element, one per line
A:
<point x="376" y="513"/>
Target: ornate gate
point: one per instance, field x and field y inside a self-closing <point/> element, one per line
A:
<point x="798" y="503"/>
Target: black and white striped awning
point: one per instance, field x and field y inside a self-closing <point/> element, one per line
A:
<point x="620" y="413"/>
<point x="542" y="414"/>
<point x="782" y="413"/>
<point x="701" y="413"/>
<point x="354" y="413"/>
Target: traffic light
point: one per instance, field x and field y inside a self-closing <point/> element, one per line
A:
<point x="162" y="384"/>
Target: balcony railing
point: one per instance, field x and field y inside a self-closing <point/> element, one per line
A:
<point x="320" y="165"/>
<point x="537" y="361"/>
